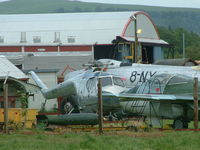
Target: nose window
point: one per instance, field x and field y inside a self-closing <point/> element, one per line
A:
<point x="106" y="81"/>
<point x="118" y="81"/>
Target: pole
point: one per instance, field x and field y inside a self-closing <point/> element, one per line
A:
<point x="183" y="45"/>
<point x="100" y="108"/>
<point x="5" y="93"/>
<point x="196" y="115"/>
<point x="136" y="38"/>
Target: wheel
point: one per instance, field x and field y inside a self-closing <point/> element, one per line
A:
<point x="178" y="124"/>
<point x="66" y="107"/>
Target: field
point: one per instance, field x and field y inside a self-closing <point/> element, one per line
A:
<point x="118" y="140"/>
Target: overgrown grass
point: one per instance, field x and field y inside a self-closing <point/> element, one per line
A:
<point x="153" y="140"/>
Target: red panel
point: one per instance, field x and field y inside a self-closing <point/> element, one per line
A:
<point x="11" y="101"/>
<point x="41" y="49"/>
<point x="75" y="48"/>
<point x="44" y="48"/>
<point x="10" y="98"/>
<point x="10" y="48"/>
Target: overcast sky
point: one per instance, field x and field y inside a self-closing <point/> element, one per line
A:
<point x="166" y="3"/>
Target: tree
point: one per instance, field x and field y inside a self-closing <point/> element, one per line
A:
<point x="60" y="10"/>
<point x="175" y="38"/>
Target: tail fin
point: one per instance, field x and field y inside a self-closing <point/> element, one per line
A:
<point x="66" y="88"/>
<point x="38" y="81"/>
<point x="42" y="86"/>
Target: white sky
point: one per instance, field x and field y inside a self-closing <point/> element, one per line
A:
<point x="165" y="3"/>
<point x="3" y="0"/>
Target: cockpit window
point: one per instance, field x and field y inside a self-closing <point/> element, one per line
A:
<point x="106" y="81"/>
<point x="91" y="84"/>
<point x="133" y="90"/>
<point x="118" y="81"/>
<point x="178" y="80"/>
<point x="160" y="79"/>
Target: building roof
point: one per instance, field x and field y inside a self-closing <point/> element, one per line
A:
<point x="46" y="63"/>
<point x="9" y="69"/>
<point x="145" y="40"/>
<point x="87" y="28"/>
<point x="73" y="28"/>
<point x="176" y="62"/>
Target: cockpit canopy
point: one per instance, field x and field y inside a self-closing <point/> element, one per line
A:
<point x="112" y="80"/>
<point x="108" y="79"/>
<point x="165" y="84"/>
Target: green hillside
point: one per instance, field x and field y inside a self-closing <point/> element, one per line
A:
<point x="55" y="6"/>
<point x="163" y="16"/>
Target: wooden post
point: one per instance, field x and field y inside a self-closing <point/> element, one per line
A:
<point x="100" y="106"/>
<point x="5" y="94"/>
<point x="136" y="39"/>
<point x="196" y="113"/>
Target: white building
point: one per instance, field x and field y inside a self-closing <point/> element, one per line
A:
<point x="79" y="34"/>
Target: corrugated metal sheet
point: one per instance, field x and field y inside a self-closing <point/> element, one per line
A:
<point x="6" y="66"/>
<point x="145" y="40"/>
<point x="74" y="28"/>
<point x="55" y="62"/>
<point x="51" y="60"/>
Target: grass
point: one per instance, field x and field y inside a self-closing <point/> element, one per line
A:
<point x="153" y="140"/>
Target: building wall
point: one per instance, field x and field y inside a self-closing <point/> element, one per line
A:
<point x="158" y="53"/>
<point x="48" y="57"/>
<point x="55" y="62"/>
<point x="45" y="48"/>
<point x="63" y="28"/>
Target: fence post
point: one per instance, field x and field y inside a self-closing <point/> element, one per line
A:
<point x="196" y="112"/>
<point x="5" y="94"/>
<point x="100" y="106"/>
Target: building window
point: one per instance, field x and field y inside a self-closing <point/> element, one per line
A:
<point x="57" y="37"/>
<point x="71" y="39"/>
<point x="36" y="39"/>
<point x="19" y="66"/>
<point x="23" y="37"/>
<point x="1" y="39"/>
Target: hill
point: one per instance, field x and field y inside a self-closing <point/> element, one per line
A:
<point x="187" y="18"/>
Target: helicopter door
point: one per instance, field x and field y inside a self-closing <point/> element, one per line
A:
<point x="91" y="86"/>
